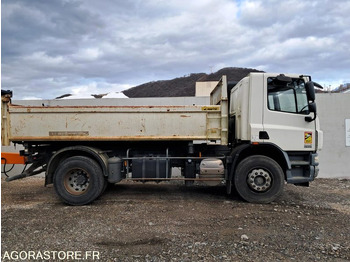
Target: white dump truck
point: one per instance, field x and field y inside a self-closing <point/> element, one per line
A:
<point x="254" y="135"/>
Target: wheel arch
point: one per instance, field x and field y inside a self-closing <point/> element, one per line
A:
<point x="100" y="157"/>
<point x="269" y="150"/>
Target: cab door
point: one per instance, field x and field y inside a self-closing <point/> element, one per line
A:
<point x="285" y="109"/>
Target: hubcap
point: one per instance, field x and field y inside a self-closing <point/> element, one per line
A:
<point x="259" y="180"/>
<point x="76" y="181"/>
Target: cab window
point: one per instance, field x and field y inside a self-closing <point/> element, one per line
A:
<point x="287" y="97"/>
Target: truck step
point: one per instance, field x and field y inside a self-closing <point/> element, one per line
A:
<point x="299" y="163"/>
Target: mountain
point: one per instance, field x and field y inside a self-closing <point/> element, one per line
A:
<point x="185" y="86"/>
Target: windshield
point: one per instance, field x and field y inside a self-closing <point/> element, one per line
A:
<point x="287" y="96"/>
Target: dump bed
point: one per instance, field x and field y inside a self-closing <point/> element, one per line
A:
<point x="206" y="123"/>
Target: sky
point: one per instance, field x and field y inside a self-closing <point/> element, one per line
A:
<point x="85" y="47"/>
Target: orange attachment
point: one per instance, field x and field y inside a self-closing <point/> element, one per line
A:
<point x="12" y="158"/>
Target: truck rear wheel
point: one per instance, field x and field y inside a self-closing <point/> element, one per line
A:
<point x="259" y="179"/>
<point x="78" y="180"/>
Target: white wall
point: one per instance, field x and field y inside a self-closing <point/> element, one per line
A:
<point x="332" y="110"/>
<point x="145" y="101"/>
<point x="205" y="88"/>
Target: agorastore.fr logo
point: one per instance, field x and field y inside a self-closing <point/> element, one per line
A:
<point x="50" y="255"/>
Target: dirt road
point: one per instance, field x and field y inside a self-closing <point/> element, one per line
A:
<point x="167" y="222"/>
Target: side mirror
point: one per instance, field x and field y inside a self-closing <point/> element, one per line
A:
<point x="312" y="109"/>
<point x="317" y="85"/>
<point x="310" y="91"/>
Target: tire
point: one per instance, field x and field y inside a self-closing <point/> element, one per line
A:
<point x="259" y="179"/>
<point x="105" y="185"/>
<point x="78" y="180"/>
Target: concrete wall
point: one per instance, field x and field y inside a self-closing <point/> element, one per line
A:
<point x="146" y="101"/>
<point x="333" y="109"/>
<point x="205" y="88"/>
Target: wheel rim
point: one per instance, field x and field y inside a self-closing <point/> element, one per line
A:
<point x="259" y="180"/>
<point x="77" y="181"/>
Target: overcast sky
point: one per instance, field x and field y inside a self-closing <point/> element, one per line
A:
<point x="50" y="48"/>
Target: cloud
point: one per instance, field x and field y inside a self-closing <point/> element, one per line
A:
<point x="51" y="46"/>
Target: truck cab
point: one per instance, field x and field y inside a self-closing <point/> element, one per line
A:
<point x="276" y="115"/>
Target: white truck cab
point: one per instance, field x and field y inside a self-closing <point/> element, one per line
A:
<point x="277" y="114"/>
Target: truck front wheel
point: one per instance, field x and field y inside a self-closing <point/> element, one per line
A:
<point x="259" y="179"/>
<point x="78" y="180"/>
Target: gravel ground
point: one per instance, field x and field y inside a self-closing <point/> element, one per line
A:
<point x="169" y="222"/>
